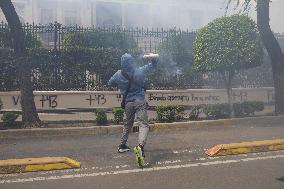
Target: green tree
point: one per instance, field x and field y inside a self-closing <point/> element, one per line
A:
<point x="29" y="114"/>
<point x="272" y="46"/>
<point x="226" y="45"/>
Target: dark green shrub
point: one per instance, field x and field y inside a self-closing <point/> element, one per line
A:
<point x="101" y="116"/>
<point x="248" y="108"/>
<point x="238" y="109"/>
<point x="118" y="114"/>
<point x="179" y="112"/>
<point x="258" y="105"/>
<point x="244" y="109"/>
<point x="169" y="113"/>
<point x="217" y="111"/>
<point x="195" y="112"/>
<point x="9" y="119"/>
<point x="161" y="111"/>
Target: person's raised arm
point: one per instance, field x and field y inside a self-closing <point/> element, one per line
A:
<point x="113" y="81"/>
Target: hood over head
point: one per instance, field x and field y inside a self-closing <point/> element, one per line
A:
<point x="127" y="64"/>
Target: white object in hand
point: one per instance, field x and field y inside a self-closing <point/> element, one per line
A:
<point x="151" y="56"/>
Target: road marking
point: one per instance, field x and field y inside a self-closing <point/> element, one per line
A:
<point x="182" y="151"/>
<point x="72" y="176"/>
<point x="168" y="162"/>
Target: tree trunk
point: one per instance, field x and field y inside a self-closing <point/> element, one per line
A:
<point x="29" y="115"/>
<point x="274" y="50"/>
<point x="278" y="78"/>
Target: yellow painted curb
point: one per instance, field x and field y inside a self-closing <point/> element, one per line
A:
<point x="246" y="147"/>
<point x="37" y="164"/>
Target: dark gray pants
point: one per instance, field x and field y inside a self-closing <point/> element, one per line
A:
<point x="140" y="110"/>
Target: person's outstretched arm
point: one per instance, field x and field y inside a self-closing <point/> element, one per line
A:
<point x="113" y="81"/>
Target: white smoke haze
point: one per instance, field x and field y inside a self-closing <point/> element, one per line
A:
<point x="184" y="14"/>
<point x="168" y="66"/>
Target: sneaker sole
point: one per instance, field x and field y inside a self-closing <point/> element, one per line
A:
<point x="123" y="150"/>
<point x="139" y="157"/>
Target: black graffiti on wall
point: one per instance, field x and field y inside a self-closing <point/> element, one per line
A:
<point x="270" y="96"/>
<point x="96" y="99"/>
<point x="240" y="96"/>
<point x="16" y="100"/>
<point x="49" y="101"/>
<point x="209" y="98"/>
<point x="119" y="97"/>
<point x="183" y="98"/>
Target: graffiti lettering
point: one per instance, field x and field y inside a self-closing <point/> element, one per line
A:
<point x="16" y="100"/>
<point x="50" y="99"/>
<point x="270" y="96"/>
<point x="204" y="98"/>
<point x="240" y="95"/>
<point x="183" y="98"/>
<point x="157" y="98"/>
<point x="98" y="99"/>
<point x="119" y="97"/>
<point x="180" y="98"/>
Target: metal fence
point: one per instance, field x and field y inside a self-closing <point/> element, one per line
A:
<point x="52" y="74"/>
<point x="147" y="40"/>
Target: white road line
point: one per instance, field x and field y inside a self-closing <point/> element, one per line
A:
<point x="33" y="179"/>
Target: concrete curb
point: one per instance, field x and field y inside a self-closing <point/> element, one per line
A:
<point x="251" y="121"/>
<point x="105" y="130"/>
<point x="69" y="131"/>
<point x="246" y="147"/>
<point x="37" y="164"/>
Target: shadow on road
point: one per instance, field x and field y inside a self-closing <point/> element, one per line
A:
<point x="281" y="179"/>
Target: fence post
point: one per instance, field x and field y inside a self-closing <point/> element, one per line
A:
<point x="56" y="24"/>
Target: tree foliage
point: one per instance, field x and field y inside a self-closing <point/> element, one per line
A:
<point x="228" y="44"/>
<point x="272" y="46"/>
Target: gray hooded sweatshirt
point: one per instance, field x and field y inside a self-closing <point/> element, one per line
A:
<point x="136" y="91"/>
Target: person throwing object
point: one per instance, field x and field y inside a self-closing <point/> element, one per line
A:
<point x="131" y="83"/>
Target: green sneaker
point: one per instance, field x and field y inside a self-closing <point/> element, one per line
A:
<point x="139" y="154"/>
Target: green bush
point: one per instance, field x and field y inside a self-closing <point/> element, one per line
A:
<point x="238" y="109"/>
<point x="217" y="111"/>
<point x="101" y="116"/>
<point x="195" y="112"/>
<point x="248" y="108"/>
<point x="169" y="113"/>
<point x="118" y="114"/>
<point x="222" y="111"/>
<point x="9" y="119"/>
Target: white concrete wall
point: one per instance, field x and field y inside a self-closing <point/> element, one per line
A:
<point x="94" y="99"/>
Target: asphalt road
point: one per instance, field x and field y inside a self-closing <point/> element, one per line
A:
<point x="175" y="159"/>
